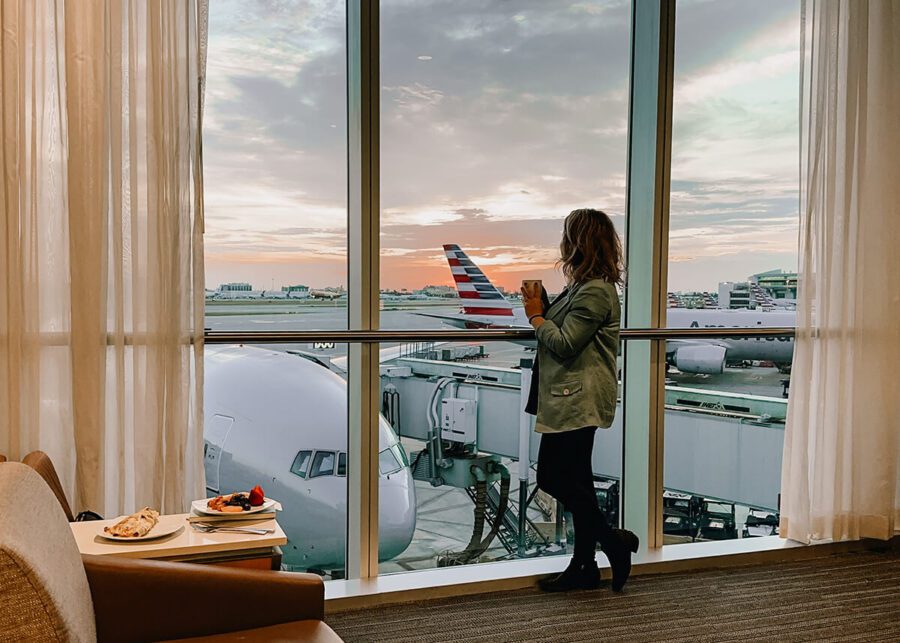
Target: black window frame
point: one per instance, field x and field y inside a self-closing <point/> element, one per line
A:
<point x="396" y="464"/>
<point x="304" y="472"/>
<point x="312" y="466"/>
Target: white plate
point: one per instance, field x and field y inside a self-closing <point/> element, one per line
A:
<point x="159" y="530"/>
<point x="200" y="506"/>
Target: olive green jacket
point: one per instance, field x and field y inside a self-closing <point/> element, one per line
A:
<point x="577" y="348"/>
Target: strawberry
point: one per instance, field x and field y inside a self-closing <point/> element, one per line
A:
<point x="257" y="496"/>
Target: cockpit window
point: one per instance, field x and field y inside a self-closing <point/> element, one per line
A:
<point x="388" y="462"/>
<point x="342" y="464"/>
<point x="323" y="464"/>
<point x="300" y="463"/>
<point x="400" y="454"/>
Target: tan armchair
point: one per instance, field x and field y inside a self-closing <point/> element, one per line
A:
<point x="41" y="462"/>
<point x="49" y="592"/>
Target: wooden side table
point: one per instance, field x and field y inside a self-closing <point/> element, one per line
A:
<point x="248" y="551"/>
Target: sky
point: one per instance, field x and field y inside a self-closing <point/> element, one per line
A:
<point x="497" y="119"/>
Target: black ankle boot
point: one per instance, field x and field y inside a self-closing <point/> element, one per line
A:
<point x="576" y="576"/>
<point x="618" y="547"/>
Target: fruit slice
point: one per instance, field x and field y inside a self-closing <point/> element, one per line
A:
<point x="257" y="496"/>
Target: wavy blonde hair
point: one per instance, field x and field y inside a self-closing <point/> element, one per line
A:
<point x="590" y="248"/>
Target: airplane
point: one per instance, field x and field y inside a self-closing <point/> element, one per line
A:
<point x="280" y="421"/>
<point x="326" y="294"/>
<point x="484" y="306"/>
<point x="233" y="295"/>
<point x="709" y="356"/>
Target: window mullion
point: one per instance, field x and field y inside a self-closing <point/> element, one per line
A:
<point x="363" y="285"/>
<point x="649" y="147"/>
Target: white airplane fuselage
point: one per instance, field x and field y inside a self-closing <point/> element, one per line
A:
<point x="325" y="294"/>
<point x="775" y="349"/>
<point x="263" y="410"/>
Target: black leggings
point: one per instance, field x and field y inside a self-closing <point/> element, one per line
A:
<point x="565" y="472"/>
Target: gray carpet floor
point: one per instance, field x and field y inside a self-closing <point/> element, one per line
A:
<point x="849" y="597"/>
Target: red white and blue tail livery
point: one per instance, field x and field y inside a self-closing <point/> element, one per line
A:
<point x="483" y="306"/>
<point x="479" y="296"/>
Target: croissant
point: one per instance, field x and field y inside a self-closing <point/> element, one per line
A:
<point x="136" y="525"/>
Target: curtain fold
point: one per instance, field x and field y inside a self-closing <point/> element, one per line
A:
<point x="840" y="477"/>
<point x="101" y="296"/>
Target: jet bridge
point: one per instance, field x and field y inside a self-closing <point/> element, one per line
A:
<point x="718" y="445"/>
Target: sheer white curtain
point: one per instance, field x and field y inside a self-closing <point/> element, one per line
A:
<point x="101" y="253"/>
<point x="840" y="476"/>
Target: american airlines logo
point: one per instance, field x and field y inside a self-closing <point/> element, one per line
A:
<point x="696" y="324"/>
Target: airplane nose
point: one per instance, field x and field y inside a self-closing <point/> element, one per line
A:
<point x="396" y="514"/>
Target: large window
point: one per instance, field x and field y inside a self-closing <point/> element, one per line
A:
<point x="497" y="119"/>
<point x="723" y="449"/>
<point x="735" y="148"/>
<point x="457" y="406"/>
<point x="344" y="354"/>
<point x="276" y="417"/>
<point x="275" y="166"/>
<point x="732" y="263"/>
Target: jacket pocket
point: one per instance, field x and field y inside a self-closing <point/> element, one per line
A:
<point x="565" y="389"/>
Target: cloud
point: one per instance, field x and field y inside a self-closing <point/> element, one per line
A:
<point x="735" y="146"/>
<point x="413" y="98"/>
<point x="496" y="121"/>
<point x="712" y="83"/>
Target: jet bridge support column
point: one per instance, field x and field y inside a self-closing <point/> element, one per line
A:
<point x="524" y="450"/>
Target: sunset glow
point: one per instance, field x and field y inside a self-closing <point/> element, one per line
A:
<point x="497" y="120"/>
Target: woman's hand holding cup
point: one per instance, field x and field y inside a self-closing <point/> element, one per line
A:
<point x="532" y="297"/>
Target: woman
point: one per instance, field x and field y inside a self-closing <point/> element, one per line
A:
<point x="574" y="390"/>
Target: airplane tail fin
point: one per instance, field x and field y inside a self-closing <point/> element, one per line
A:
<point x="479" y="296"/>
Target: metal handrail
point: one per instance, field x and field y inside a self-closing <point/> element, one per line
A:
<point x="484" y="334"/>
<point x="406" y="335"/>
